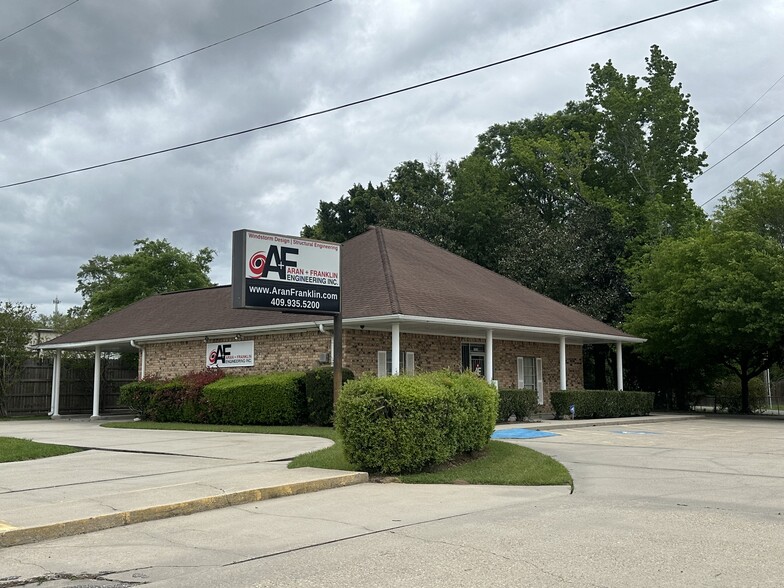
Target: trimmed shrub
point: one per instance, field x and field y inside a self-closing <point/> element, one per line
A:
<point x="181" y="399"/>
<point x="728" y="395"/>
<point x="319" y="394"/>
<point x="594" y="404"/>
<point x="406" y="423"/>
<point x="522" y="403"/>
<point x="138" y="395"/>
<point x="270" y="399"/>
<point x="166" y="403"/>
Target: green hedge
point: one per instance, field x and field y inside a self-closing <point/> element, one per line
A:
<point x="319" y="394"/>
<point x="593" y="404"/>
<point x="179" y="399"/>
<point x="522" y="403"/>
<point x="138" y="395"/>
<point x="271" y="399"/>
<point x="406" y="423"/>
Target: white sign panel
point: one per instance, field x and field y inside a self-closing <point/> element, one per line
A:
<point x="279" y="272"/>
<point x="229" y="354"/>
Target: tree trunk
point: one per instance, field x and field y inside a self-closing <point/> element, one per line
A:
<point x="745" y="405"/>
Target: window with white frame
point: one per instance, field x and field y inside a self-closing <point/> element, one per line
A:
<point x="529" y="375"/>
<point x="385" y="363"/>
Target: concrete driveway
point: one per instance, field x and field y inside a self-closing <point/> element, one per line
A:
<point x="689" y="503"/>
<point x="132" y="475"/>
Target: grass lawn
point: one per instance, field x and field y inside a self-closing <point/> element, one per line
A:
<point x="500" y="463"/>
<point x="12" y="449"/>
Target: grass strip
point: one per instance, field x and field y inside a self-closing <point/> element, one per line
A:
<point x="500" y="463"/>
<point x="12" y="449"/>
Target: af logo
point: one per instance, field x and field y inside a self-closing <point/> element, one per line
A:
<point x="219" y="354"/>
<point x="274" y="260"/>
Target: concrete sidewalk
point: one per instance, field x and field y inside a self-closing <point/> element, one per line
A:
<point x="550" y="424"/>
<point x="128" y="476"/>
<point x="132" y="475"/>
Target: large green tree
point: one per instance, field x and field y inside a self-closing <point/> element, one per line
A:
<point x="645" y="151"/>
<point x="414" y="198"/>
<point x="17" y="325"/>
<point x="714" y="298"/>
<point x="108" y="284"/>
<point x="565" y="203"/>
<point x="352" y="214"/>
<point x="755" y="205"/>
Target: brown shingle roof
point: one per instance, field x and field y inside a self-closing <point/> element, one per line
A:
<point x="429" y="281"/>
<point x="385" y="272"/>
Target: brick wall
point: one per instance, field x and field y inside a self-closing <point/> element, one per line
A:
<point x="300" y="351"/>
<point x="433" y="352"/>
<point x="272" y="353"/>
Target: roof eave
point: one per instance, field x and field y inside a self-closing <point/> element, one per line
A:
<point x="596" y="337"/>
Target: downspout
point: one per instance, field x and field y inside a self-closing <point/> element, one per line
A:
<point x="142" y="358"/>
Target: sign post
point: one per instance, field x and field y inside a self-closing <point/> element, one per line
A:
<point x="289" y="274"/>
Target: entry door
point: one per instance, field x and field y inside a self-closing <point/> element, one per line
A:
<point x="478" y="363"/>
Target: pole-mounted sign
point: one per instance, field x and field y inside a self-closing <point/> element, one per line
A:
<point x="284" y="273"/>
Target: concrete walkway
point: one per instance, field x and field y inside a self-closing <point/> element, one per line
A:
<point x="132" y="475"/>
<point x="550" y="424"/>
<point x="128" y="476"/>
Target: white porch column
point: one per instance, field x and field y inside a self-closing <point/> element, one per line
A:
<point x="619" y="364"/>
<point x="396" y="349"/>
<point x="97" y="384"/>
<point x="142" y="362"/>
<point x="489" y="356"/>
<point x="56" y="366"/>
<point x="562" y="357"/>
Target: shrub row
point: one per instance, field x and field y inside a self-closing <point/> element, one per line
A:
<point x="522" y="403"/>
<point x="406" y="423"/>
<point x="593" y="404"/>
<point x="209" y="397"/>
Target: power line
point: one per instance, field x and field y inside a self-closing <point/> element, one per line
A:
<point x="151" y="67"/>
<point x="742" y="114"/>
<point x="361" y="101"/>
<point x="720" y="192"/>
<point x="39" y="20"/>
<point x="741" y="146"/>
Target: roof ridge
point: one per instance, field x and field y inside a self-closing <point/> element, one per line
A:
<point x="394" y="302"/>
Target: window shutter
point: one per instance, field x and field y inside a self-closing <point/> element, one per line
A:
<point x="520" y="377"/>
<point x="410" y="363"/>
<point x="539" y="380"/>
<point x="382" y="363"/>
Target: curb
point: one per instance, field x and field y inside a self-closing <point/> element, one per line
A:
<point x="603" y="423"/>
<point x="23" y="535"/>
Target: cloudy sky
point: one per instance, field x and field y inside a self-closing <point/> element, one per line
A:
<point x="728" y="55"/>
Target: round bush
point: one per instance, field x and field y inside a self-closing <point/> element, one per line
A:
<point x="406" y="423"/>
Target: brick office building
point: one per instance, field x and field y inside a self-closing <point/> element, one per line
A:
<point x="408" y="306"/>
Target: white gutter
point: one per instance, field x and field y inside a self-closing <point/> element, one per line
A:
<point x="188" y="335"/>
<point x="142" y="358"/>
<point x="352" y="322"/>
<point x="494" y="326"/>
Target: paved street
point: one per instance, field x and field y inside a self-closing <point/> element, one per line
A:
<point x="687" y="503"/>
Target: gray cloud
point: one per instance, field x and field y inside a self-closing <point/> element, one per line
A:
<point x="348" y="49"/>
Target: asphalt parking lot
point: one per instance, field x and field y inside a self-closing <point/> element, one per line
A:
<point x="687" y="503"/>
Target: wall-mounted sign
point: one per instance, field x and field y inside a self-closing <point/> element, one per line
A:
<point x="229" y="354"/>
<point x="279" y="272"/>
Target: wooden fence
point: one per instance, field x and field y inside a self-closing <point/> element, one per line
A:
<point x="32" y="394"/>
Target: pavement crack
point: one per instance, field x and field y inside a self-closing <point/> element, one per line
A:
<point x="13" y="581"/>
<point x="451" y="544"/>
<point x="306" y="518"/>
